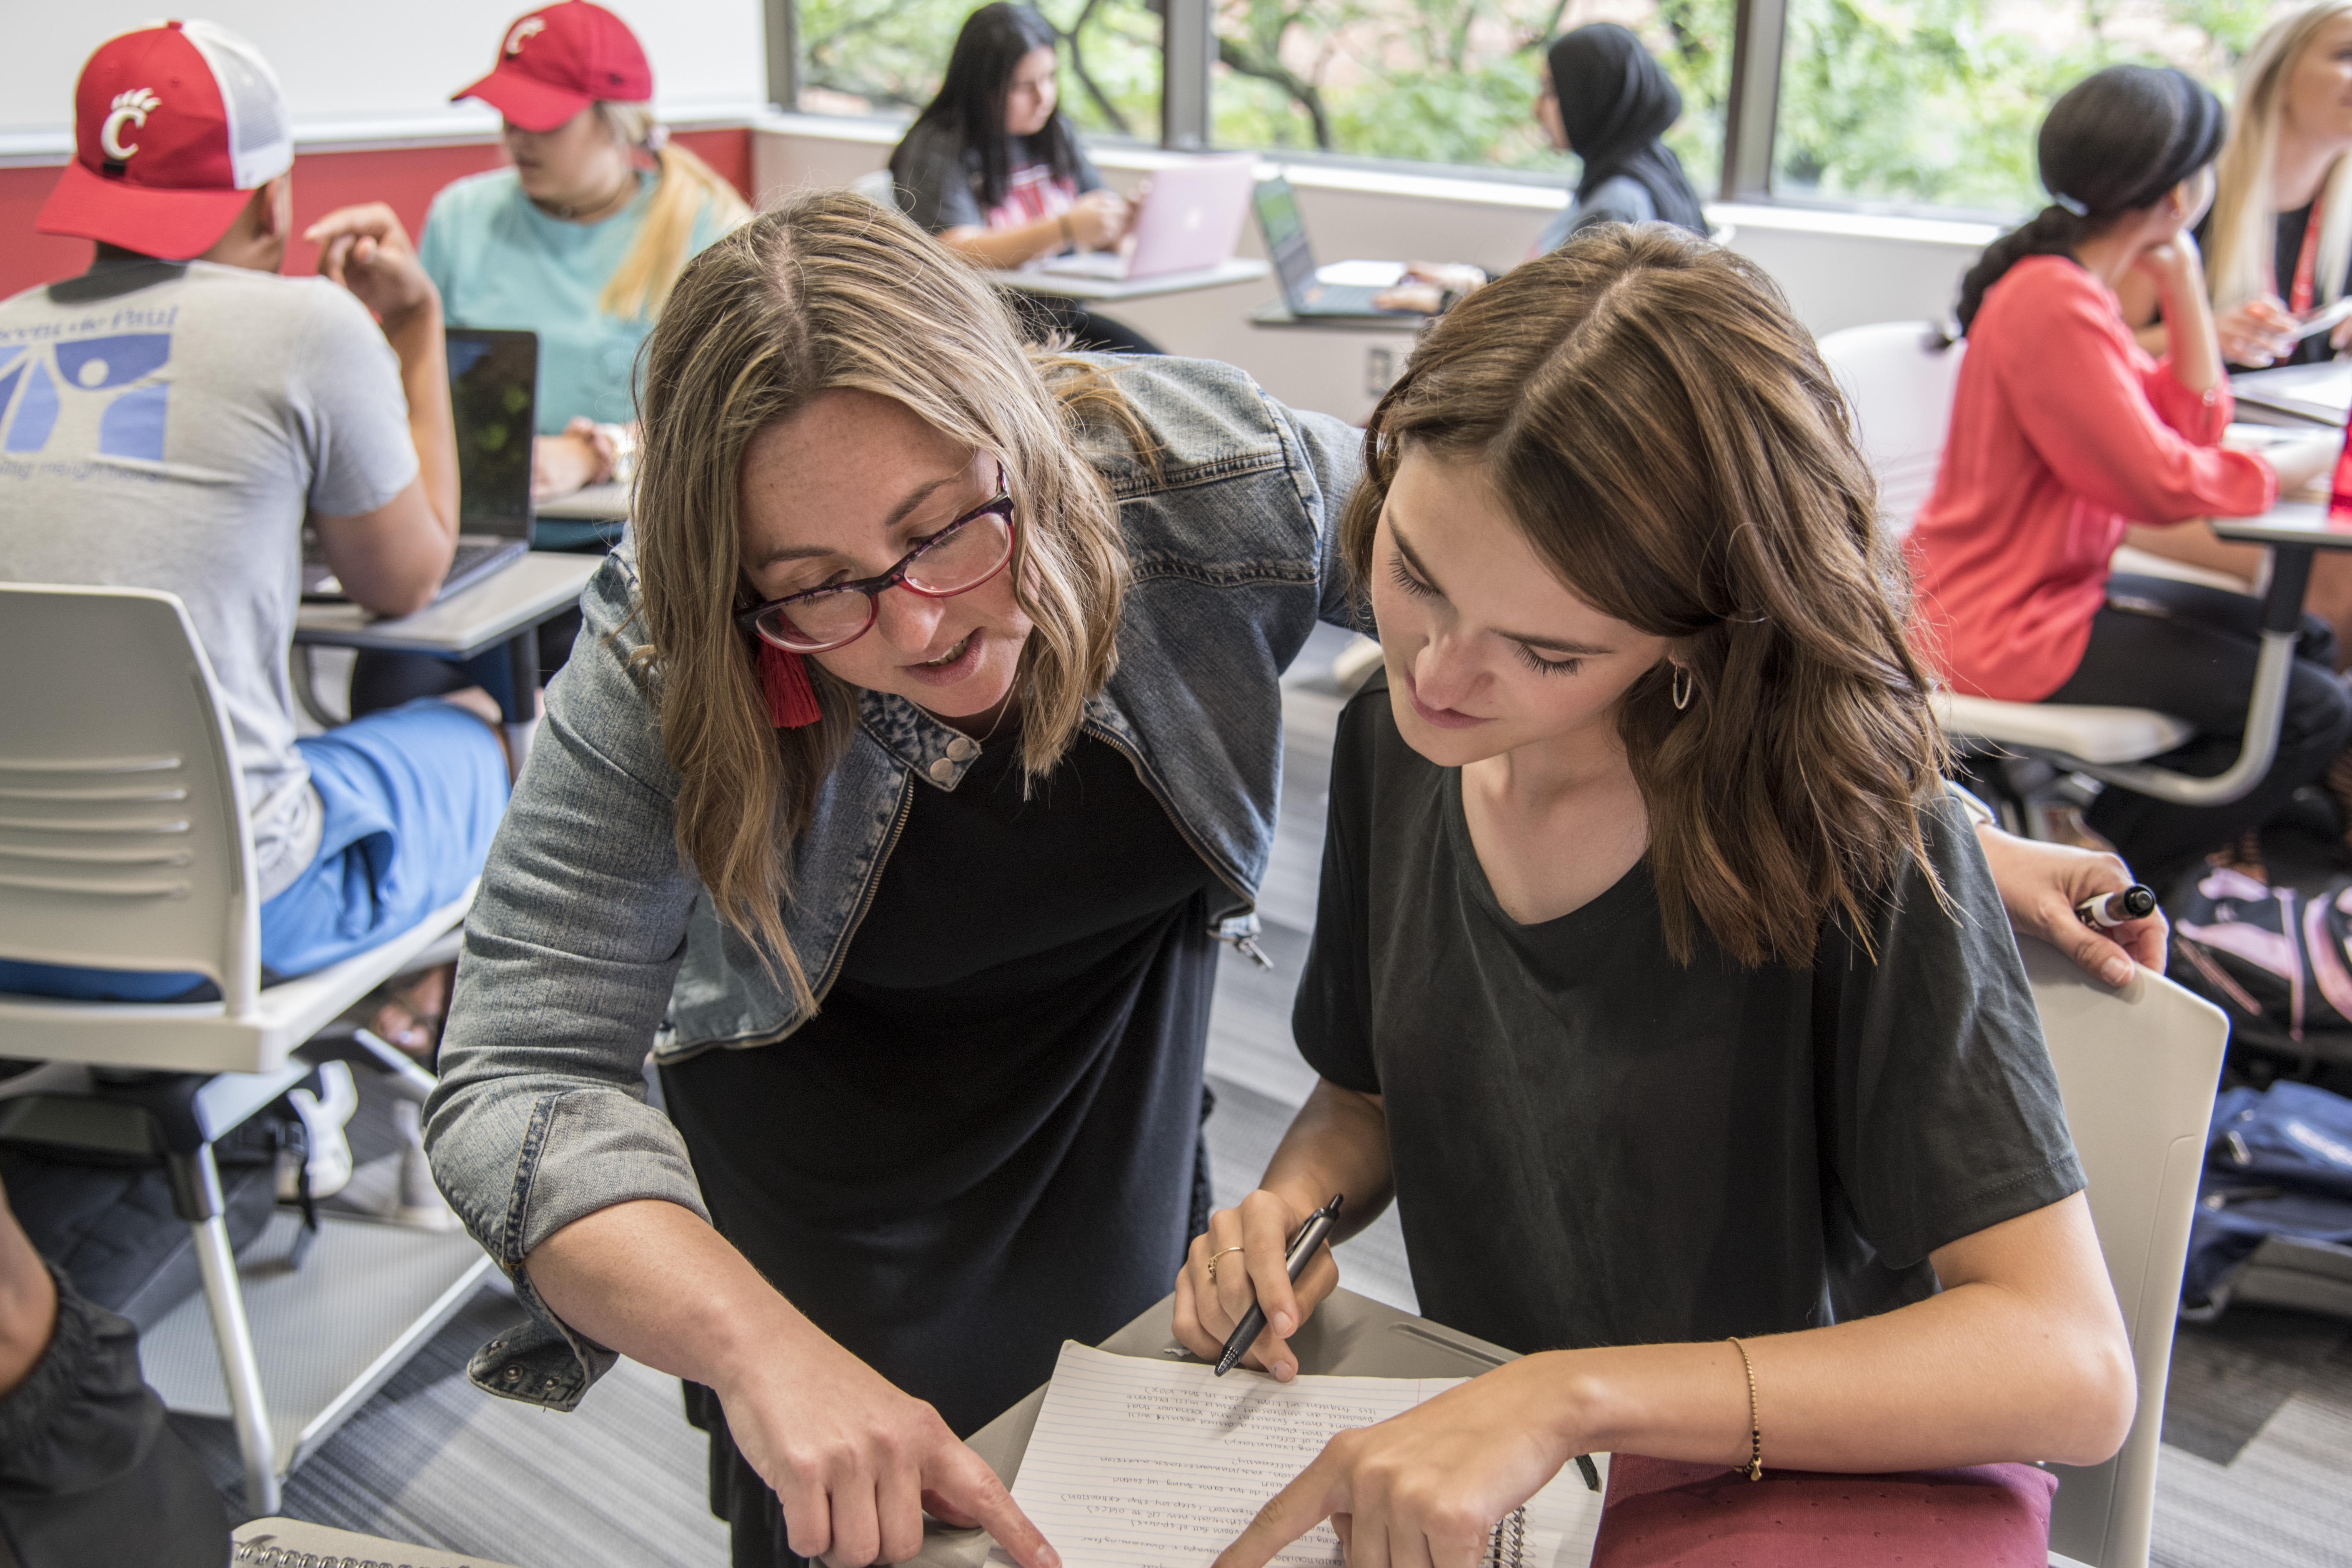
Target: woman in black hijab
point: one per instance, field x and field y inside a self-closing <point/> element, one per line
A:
<point x="1606" y="101"/>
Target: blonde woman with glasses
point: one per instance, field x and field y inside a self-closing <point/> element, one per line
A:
<point x="925" y="740"/>
<point x="2277" y="249"/>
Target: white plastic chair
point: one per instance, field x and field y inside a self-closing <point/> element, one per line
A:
<point x="124" y="845"/>
<point x="876" y="186"/>
<point x="2137" y="1069"/>
<point x="1899" y="378"/>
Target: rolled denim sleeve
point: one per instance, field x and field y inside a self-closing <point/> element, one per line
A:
<point x="570" y="954"/>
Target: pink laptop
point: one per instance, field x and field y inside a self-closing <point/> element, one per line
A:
<point x="1189" y="218"/>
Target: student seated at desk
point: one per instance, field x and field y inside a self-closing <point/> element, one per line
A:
<point x="957" y="710"/>
<point x="1605" y="98"/>
<point x="1654" y="974"/>
<point x="993" y="169"/>
<point x="2276" y="244"/>
<point x="582" y="239"/>
<point x="174" y="414"/>
<point x="2063" y="428"/>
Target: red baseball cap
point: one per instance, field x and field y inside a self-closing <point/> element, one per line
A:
<point x="559" y="59"/>
<point x="174" y="126"/>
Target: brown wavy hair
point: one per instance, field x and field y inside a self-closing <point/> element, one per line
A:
<point x="1665" y="434"/>
<point x="831" y="291"/>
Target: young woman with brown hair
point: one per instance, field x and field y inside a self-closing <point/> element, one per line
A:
<point x="1654" y="976"/>
<point x="937" y="685"/>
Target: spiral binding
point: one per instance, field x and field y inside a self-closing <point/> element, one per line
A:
<point x="1506" y="1545"/>
<point x="261" y="1553"/>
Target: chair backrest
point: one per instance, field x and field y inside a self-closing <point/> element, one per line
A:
<point x="123" y="842"/>
<point x="2137" y="1069"/>
<point x="1898" y="378"/>
<point x="876" y="186"/>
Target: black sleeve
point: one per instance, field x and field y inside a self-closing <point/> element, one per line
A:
<point x="934" y="180"/>
<point x="1331" y="1016"/>
<point x="1943" y="1116"/>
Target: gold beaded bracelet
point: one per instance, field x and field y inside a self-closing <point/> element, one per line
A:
<point x="1755" y="1433"/>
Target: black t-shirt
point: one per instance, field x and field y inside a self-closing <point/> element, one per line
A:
<point x="986" y="1142"/>
<point x="1594" y="1146"/>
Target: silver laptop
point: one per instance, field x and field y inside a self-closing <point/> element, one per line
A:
<point x="1189" y="219"/>
<point x="493" y="396"/>
<point x="1303" y="291"/>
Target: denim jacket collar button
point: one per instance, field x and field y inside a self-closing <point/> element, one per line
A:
<point x="943" y="769"/>
<point x="963" y="749"/>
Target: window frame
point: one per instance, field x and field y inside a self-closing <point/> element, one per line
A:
<point x="1189" y="52"/>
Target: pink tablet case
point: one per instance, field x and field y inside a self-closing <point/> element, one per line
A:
<point x="1662" y="1513"/>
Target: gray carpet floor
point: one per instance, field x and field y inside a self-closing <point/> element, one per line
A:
<point x="2257" y="1462"/>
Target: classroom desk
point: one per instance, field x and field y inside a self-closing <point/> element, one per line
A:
<point x="506" y="606"/>
<point x="590" y="519"/>
<point x="1350" y="1335"/>
<point x="2302" y="395"/>
<point x="1110" y="290"/>
<point x="1275" y="313"/>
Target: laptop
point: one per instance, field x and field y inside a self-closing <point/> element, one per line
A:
<point x="493" y="391"/>
<point x="1188" y="220"/>
<point x="1305" y="292"/>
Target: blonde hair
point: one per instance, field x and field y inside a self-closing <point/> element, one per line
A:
<point x="641" y="284"/>
<point x="831" y="291"/>
<point x="2241" y="263"/>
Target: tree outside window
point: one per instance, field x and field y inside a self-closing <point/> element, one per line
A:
<point x="887" y="57"/>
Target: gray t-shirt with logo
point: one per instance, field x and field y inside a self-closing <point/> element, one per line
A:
<point x="167" y="424"/>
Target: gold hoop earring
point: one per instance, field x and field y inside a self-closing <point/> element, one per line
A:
<point x="1683" y="682"/>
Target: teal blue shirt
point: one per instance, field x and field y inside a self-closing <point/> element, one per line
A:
<point x="500" y="261"/>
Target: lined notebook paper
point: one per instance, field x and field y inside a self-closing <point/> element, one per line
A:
<point x="1138" y="1463"/>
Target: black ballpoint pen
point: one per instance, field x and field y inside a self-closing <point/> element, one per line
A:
<point x="1302" y="1248"/>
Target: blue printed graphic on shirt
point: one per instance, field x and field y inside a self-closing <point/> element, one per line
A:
<point x="106" y="391"/>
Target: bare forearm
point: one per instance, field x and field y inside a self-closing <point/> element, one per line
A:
<point x="1338" y="1143"/>
<point x="416" y="338"/>
<point x="652" y="1282"/>
<point x="2188" y="333"/>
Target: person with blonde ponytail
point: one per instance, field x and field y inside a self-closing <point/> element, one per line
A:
<point x="582" y="239"/>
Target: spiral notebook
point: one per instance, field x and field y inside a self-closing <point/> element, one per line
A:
<point x="1138" y="1463"/>
<point x="293" y="1543"/>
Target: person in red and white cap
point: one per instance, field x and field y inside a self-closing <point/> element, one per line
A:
<point x="580" y="239"/>
<point x="174" y="416"/>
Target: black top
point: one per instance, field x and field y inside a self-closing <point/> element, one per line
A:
<point x="1594" y="1145"/>
<point x="2286" y="246"/>
<point x="986" y="1142"/>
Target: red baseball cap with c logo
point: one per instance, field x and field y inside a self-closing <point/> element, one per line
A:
<point x="174" y="128"/>
<point x="557" y="60"/>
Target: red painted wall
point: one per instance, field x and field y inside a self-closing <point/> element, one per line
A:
<point x="407" y="177"/>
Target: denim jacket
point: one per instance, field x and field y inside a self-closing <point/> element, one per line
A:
<point x="592" y="940"/>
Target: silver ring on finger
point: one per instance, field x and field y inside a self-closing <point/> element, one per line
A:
<point x="1212" y="1261"/>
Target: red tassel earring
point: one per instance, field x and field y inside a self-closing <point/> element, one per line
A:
<point x="784" y="681"/>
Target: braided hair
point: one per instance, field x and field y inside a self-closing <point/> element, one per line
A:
<point x="2113" y="143"/>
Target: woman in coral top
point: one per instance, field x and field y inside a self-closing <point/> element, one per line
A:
<point x="2064" y="432"/>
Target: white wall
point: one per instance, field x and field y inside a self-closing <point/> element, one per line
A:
<point x="351" y="68"/>
<point x="1839" y="269"/>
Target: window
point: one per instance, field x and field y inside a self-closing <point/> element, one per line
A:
<point x="886" y="58"/>
<point x="1936" y="102"/>
<point x="1446" y="82"/>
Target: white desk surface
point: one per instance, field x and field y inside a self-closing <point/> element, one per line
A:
<point x="1401" y="323"/>
<point x="1350" y="1335"/>
<point x="1035" y="280"/>
<point x="517" y="596"/>
<point x="595" y="503"/>
<point x="2313" y="394"/>
<point x="2289" y="523"/>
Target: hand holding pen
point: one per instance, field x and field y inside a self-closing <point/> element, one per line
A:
<point x="1263" y="1266"/>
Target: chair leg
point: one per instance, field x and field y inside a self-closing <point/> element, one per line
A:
<point x="240" y="1368"/>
